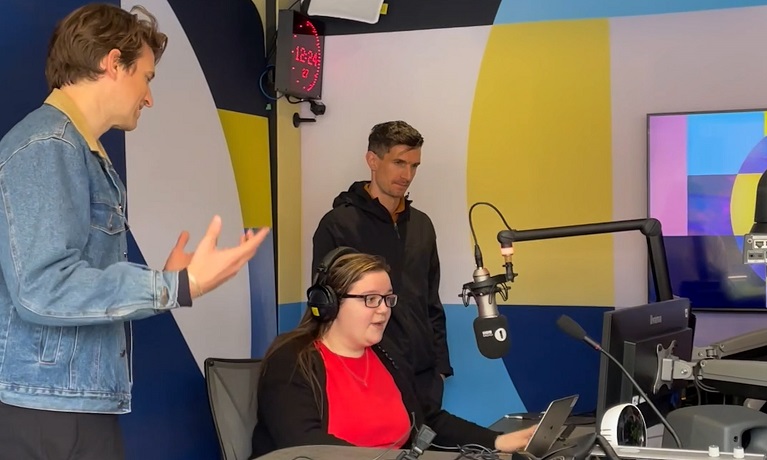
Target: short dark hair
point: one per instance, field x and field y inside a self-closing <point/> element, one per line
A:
<point x="386" y="135"/>
<point x="82" y="39"/>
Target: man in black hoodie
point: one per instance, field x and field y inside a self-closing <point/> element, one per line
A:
<point x="375" y="217"/>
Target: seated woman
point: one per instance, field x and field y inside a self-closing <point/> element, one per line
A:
<point x="332" y="380"/>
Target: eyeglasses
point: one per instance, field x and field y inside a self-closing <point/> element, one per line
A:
<point x="374" y="300"/>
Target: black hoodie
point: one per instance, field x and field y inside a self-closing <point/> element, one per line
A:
<point x="409" y="245"/>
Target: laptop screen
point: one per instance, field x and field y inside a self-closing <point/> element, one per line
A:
<point x="551" y="425"/>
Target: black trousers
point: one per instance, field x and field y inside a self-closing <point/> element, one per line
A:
<point x="30" y="434"/>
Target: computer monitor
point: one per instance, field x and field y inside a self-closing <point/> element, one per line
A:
<point x="632" y="335"/>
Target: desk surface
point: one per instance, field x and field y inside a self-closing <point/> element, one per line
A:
<point x="365" y="453"/>
<point x="349" y="453"/>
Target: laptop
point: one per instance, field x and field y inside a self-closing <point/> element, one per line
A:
<point x="550" y="426"/>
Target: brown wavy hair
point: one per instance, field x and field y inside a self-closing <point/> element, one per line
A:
<point x="82" y="39"/>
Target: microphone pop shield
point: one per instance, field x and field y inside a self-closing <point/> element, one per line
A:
<point x="492" y="336"/>
<point x="570" y="327"/>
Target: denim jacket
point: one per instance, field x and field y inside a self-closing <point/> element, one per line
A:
<point x="66" y="288"/>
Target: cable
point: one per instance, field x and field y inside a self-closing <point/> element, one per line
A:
<point x="698" y="391"/>
<point x="608" y="449"/>
<point x="394" y="444"/>
<point x="474" y="453"/>
<point x="261" y="83"/>
<point x="477" y="251"/>
<point x="471" y="224"/>
<point x="273" y="47"/>
<point x="298" y="101"/>
<point x="700" y="385"/>
<point x="644" y="396"/>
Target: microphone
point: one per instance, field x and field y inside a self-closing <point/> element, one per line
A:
<point x="755" y="244"/>
<point x="574" y="330"/>
<point x="491" y="329"/>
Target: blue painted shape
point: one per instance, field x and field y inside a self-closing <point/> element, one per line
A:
<point x="546" y="364"/>
<point x="708" y="204"/>
<point x="480" y="390"/>
<point x="515" y="11"/>
<point x="25" y="28"/>
<point x="756" y="161"/>
<point x="289" y="315"/>
<point x="719" y="143"/>
<point x="709" y="271"/>
<point x="228" y="40"/>
<point x="171" y="416"/>
<point x="170" y="399"/>
<point x="263" y="300"/>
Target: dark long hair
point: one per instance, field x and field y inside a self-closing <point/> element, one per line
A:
<point x="345" y="271"/>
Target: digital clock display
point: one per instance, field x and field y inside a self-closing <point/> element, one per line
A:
<point x="299" y="56"/>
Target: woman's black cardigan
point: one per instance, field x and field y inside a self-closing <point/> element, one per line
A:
<point x="288" y="413"/>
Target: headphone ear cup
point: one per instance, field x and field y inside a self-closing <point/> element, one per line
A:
<point x="321" y="299"/>
<point x="322" y="302"/>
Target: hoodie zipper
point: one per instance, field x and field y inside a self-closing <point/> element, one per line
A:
<point x="396" y="229"/>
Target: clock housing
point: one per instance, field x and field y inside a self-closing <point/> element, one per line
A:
<point x="300" y="55"/>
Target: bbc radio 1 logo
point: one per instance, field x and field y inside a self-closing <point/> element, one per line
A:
<point x="499" y="334"/>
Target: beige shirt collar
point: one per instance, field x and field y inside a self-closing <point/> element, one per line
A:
<point x="61" y="101"/>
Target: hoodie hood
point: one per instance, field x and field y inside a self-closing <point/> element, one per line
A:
<point x="359" y="197"/>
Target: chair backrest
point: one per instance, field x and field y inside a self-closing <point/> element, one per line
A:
<point x="232" y="386"/>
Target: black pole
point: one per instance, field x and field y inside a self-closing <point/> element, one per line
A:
<point x="270" y="35"/>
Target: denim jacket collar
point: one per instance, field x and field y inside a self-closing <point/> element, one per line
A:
<point x="60" y="100"/>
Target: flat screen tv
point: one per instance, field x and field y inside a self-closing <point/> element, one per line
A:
<point x="703" y="168"/>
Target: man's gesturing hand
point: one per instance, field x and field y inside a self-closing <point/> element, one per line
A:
<point x="211" y="267"/>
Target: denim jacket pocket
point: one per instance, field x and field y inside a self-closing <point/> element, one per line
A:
<point x="109" y="219"/>
<point x="50" y="342"/>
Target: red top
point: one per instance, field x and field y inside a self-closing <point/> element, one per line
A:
<point x="365" y="406"/>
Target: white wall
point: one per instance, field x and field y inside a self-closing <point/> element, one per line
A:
<point x="380" y="77"/>
<point x="674" y="62"/>
<point x="710" y="60"/>
<point x="179" y="176"/>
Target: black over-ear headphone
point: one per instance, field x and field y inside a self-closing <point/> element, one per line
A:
<point x="322" y="300"/>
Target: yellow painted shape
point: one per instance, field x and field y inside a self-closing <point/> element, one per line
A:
<point x="540" y="150"/>
<point x="742" y="202"/>
<point x="290" y="285"/>
<point x="247" y="137"/>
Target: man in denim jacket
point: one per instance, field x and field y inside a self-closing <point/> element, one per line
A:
<point x="66" y="287"/>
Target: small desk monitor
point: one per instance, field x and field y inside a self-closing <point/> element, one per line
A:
<point x="632" y="335"/>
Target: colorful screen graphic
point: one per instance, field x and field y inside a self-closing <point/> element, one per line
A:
<point x="703" y="172"/>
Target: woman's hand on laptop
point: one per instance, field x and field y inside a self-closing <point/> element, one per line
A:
<point x="514" y="441"/>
